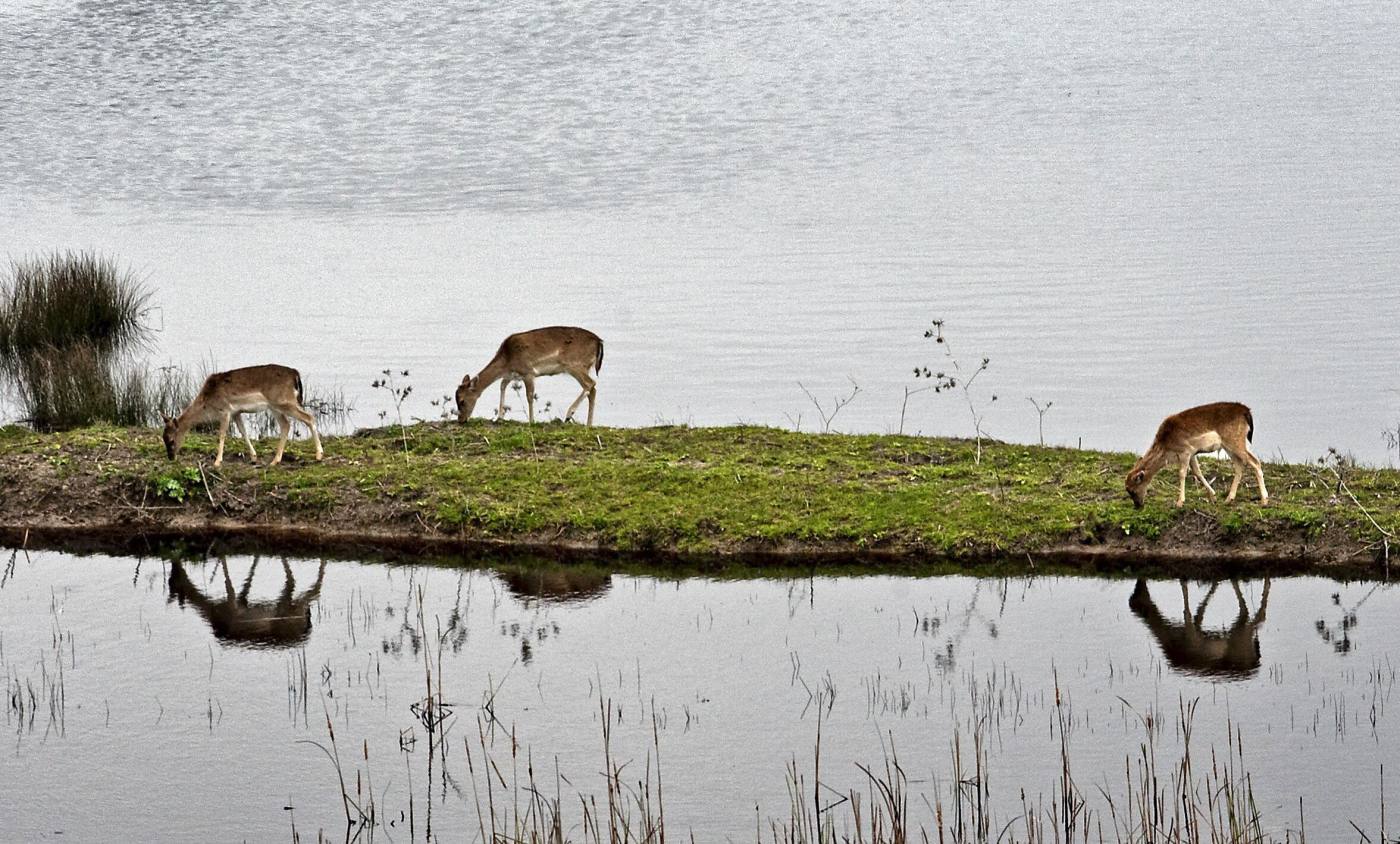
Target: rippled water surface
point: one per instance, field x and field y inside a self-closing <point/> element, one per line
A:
<point x="152" y="700"/>
<point x="1128" y="208"/>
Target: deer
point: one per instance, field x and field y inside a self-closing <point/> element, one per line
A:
<point x="1198" y="430"/>
<point x="1190" y="648"/>
<point x="228" y="395"/>
<point x="528" y="354"/>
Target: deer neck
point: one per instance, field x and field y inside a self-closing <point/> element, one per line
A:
<point x="492" y="372"/>
<point x="1153" y="461"/>
<point x="191" y="416"/>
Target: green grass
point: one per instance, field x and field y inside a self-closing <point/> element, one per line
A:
<point x="721" y="489"/>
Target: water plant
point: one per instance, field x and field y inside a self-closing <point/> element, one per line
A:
<point x="68" y="323"/>
<point x="71" y="299"/>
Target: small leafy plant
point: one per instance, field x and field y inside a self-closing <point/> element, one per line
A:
<point x="177" y="484"/>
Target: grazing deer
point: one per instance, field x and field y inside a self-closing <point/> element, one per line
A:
<point x="282" y="623"/>
<point x="543" y="351"/>
<point x="1210" y="427"/>
<point x="229" y="395"/>
<point x="1191" y="649"/>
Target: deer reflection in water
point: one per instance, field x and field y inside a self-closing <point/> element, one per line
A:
<point x="541" y="586"/>
<point x="284" y="622"/>
<point x="556" y="585"/>
<point x="1231" y="653"/>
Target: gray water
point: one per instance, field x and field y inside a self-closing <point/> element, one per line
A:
<point x="1129" y="208"/>
<point x="165" y="710"/>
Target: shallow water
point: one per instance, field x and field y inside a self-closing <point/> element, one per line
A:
<point x="163" y="710"/>
<point x="1129" y="209"/>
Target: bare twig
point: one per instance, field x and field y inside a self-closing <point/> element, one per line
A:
<point x="837" y="403"/>
<point x="1041" y="411"/>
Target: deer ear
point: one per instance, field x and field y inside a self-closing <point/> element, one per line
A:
<point x="1140" y="476"/>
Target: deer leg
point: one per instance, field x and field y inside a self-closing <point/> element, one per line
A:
<point x="286" y="425"/>
<point x="289" y="586"/>
<point x="316" y="587"/>
<point x="1196" y="470"/>
<point x="1263" y="604"/>
<point x="529" y="396"/>
<point x="501" y="408"/>
<point x="1181" y="492"/>
<point x="1243" y="457"/>
<point x="1235" y="481"/>
<point x="228" y="581"/>
<point x="1201" y="610"/>
<point x="223" y="433"/>
<point x="247" y="582"/>
<point x="238" y="420"/>
<point x="587" y="384"/>
<point x="304" y="417"/>
<point x="592" y="397"/>
<point x="1259" y="475"/>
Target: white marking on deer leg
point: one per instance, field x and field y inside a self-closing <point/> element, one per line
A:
<point x="1259" y="474"/>
<point x="223" y="432"/>
<point x="238" y="420"/>
<point x="286" y="425"/>
<point x="1181" y="493"/>
<point x="1196" y="469"/>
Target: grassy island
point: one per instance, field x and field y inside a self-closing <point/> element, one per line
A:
<point x="736" y="492"/>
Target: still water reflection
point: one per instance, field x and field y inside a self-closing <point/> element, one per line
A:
<point x="281" y="623"/>
<point x="124" y="676"/>
<point x="1229" y="653"/>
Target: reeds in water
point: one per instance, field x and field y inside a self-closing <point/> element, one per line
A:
<point x="59" y="389"/>
<point x="68" y="323"/>
<point x="71" y="299"/>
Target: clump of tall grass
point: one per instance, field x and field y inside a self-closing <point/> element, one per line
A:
<point x="68" y="323"/>
<point x="71" y="299"/>
<point x="60" y="389"/>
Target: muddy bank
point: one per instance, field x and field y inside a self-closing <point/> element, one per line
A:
<point x="691" y="498"/>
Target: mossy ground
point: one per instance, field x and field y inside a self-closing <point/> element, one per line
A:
<point x="692" y="490"/>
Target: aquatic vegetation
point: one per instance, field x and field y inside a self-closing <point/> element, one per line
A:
<point x="68" y="323"/>
<point x="70" y="299"/>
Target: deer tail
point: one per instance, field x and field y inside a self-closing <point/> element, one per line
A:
<point x="1249" y="421"/>
<point x="300" y="396"/>
<point x="598" y="361"/>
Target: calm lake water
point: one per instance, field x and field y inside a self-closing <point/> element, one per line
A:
<point x="146" y="703"/>
<point x="1129" y="208"/>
